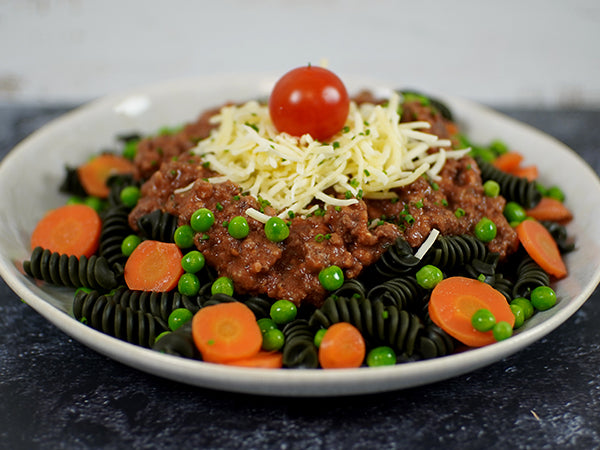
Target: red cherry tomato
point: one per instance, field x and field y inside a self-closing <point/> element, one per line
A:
<point x="309" y="100"/>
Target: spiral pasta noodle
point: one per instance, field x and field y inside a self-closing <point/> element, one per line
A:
<point x="178" y="342"/>
<point x="379" y="324"/>
<point x="397" y="260"/>
<point x="158" y="225"/>
<point x="63" y="270"/>
<point x="454" y="252"/>
<point x="513" y="188"/>
<point x="103" y="313"/>
<point x="115" y="228"/>
<point x="529" y="276"/>
<point x="159" y="304"/>
<point x="299" y="350"/>
<point x="403" y="292"/>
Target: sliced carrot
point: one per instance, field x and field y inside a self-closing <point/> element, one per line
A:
<point x="529" y="172"/>
<point x="550" y="209"/>
<point x="94" y="173"/>
<point x="342" y="347"/>
<point x="153" y="266"/>
<point x="541" y="246"/>
<point x="453" y="302"/>
<point x="70" y="230"/>
<point x="263" y="359"/>
<point x="226" y="332"/>
<point x="508" y="161"/>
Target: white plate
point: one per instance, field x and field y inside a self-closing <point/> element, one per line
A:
<point x="31" y="173"/>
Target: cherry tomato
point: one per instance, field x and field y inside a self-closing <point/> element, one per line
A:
<point x="309" y="100"/>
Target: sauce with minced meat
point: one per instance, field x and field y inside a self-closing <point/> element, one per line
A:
<point x="289" y="269"/>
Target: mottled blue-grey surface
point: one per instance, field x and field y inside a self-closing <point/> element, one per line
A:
<point x="56" y="393"/>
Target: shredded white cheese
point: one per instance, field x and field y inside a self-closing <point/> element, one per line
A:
<point x="426" y="245"/>
<point x="370" y="157"/>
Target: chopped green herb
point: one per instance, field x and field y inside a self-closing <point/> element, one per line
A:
<point x="459" y="212"/>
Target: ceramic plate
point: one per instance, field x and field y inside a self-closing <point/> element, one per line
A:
<point x="30" y="174"/>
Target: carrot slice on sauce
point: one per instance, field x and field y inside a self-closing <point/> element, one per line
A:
<point x="541" y="246"/>
<point x="453" y="302"/>
<point x="550" y="209"/>
<point x="509" y="161"/>
<point x="95" y="172"/>
<point x="226" y="332"/>
<point x="153" y="266"/>
<point x="70" y="230"/>
<point x="343" y="346"/>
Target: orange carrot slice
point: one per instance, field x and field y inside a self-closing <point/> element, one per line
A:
<point x="541" y="246"/>
<point x="342" y="347"/>
<point x="70" y="230"/>
<point x="94" y="173"/>
<point x="550" y="209"/>
<point x="509" y="161"/>
<point x="226" y="332"/>
<point x="453" y="302"/>
<point x="529" y="172"/>
<point x="263" y="360"/>
<point x="154" y="266"/>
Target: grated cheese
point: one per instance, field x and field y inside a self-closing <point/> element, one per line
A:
<point x="370" y="157"/>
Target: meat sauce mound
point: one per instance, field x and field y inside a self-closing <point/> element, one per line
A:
<point x="351" y="237"/>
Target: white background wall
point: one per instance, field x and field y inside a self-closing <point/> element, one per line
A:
<point x="510" y="52"/>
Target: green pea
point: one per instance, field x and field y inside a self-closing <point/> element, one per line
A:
<point x="483" y="320"/>
<point x="265" y="324"/>
<point x="188" y="284"/>
<point x="184" y="236"/>
<point x="130" y="196"/>
<point x="129" y="244"/>
<point x="276" y="229"/>
<point x="331" y="278"/>
<point x="485" y="230"/>
<point x="514" y="212"/>
<point x="222" y="285"/>
<point x="319" y="336"/>
<point x="502" y="330"/>
<point x="130" y="149"/>
<point x="381" y="356"/>
<point x="193" y="261"/>
<point x="491" y="188"/>
<point x="429" y="276"/>
<point x="164" y="333"/>
<point x="94" y="202"/>
<point x="556" y="193"/>
<point x="74" y="200"/>
<point x="518" y="313"/>
<point x="541" y="189"/>
<point x="525" y="304"/>
<point x="238" y="227"/>
<point x="543" y="298"/>
<point x="498" y="147"/>
<point x="273" y="340"/>
<point x="202" y="219"/>
<point x="179" y="317"/>
<point x="283" y="311"/>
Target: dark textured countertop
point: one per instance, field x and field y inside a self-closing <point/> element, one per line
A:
<point x="56" y="393"/>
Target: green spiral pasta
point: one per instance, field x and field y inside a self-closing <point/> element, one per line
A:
<point x="299" y="350"/>
<point x="513" y="188"/>
<point x="115" y="228"/>
<point x="104" y="314"/>
<point x="63" y="270"/>
<point x="158" y="226"/>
